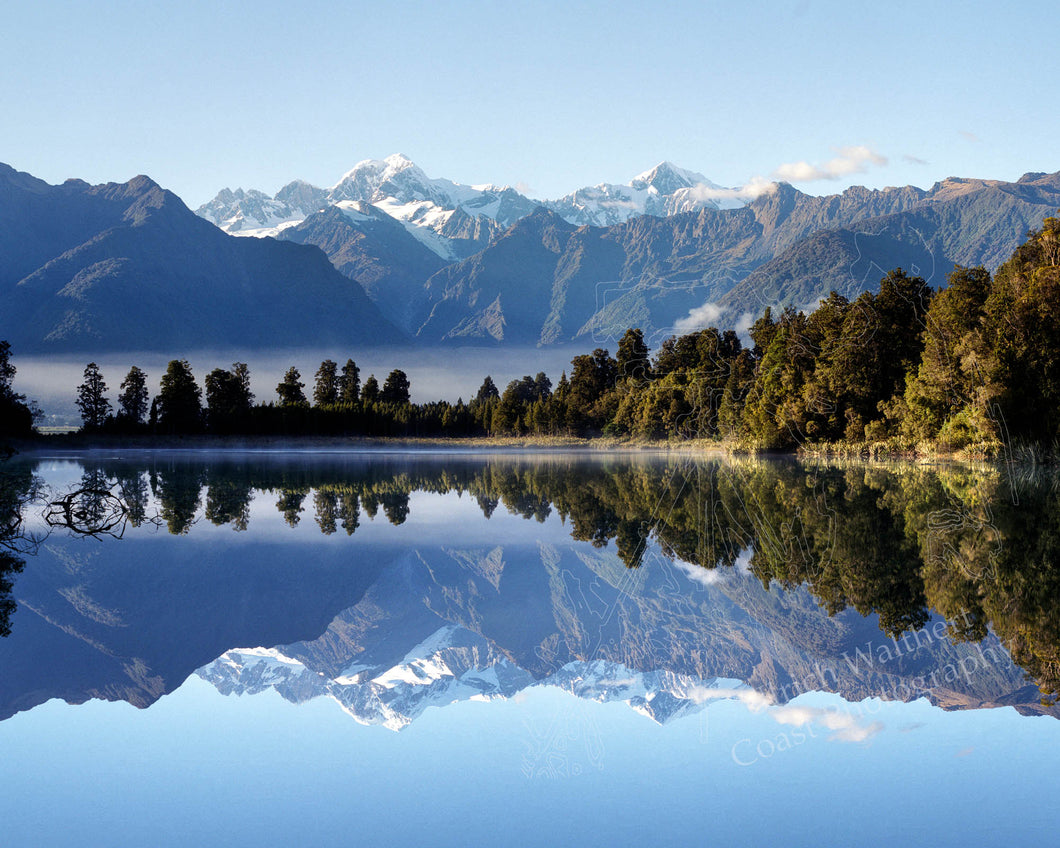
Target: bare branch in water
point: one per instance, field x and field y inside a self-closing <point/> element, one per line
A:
<point x="89" y="512"/>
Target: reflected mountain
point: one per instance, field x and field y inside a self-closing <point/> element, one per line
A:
<point x="772" y="577"/>
<point x="455" y="664"/>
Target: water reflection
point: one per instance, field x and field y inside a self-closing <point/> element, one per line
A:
<point x="897" y="582"/>
<point x="17" y="490"/>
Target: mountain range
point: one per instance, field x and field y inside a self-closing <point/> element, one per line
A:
<point x="452" y="624"/>
<point x="437" y="211"/>
<point x="650" y="253"/>
<point x="455" y="664"/>
<point x="424" y="261"/>
<point x="129" y="267"/>
<point x="411" y="628"/>
<point x="547" y="282"/>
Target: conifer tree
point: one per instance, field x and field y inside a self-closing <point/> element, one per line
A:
<point x="396" y="387"/>
<point x="633" y="356"/>
<point x="349" y="383"/>
<point x="326" y="387"/>
<point x="179" y="400"/>
<point x="133" y="399"/>
<point x="370" y="392"/>
<point x="92" y="398"/>
<point x="290" y="388"/>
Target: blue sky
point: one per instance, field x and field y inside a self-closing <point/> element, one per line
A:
<point x="546" y="96"/>
<point x="256" y="770"/>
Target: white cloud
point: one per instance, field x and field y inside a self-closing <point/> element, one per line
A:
<point x="796" y="716"/>
<point x="701" y="575"/>
<point x="720" y="573"/>
<point x="857" y="733"/>
<point x="755" y="701"/>
<point x="700" y="318"/>
<point x="744" y="324"/>
<point x="754" y="187"/>
<point x="844" y="727"/>
<point x="851" y="160"/>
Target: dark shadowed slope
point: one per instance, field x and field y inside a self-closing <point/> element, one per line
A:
<point x="130" y="267"/>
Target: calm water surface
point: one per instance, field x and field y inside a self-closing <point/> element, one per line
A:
<point x="460" y="649"/>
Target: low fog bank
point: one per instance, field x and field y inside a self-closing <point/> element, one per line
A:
<point x="434" y="374"/>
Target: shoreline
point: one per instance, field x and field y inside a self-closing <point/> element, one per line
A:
<point x="78" y="444"/>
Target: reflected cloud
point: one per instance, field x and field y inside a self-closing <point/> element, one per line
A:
<point x="844" y="726"/>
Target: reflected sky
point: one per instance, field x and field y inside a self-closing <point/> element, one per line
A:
<point x="199" y="767"/>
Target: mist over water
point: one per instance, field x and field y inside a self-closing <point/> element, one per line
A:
<point x="434" y="373"/>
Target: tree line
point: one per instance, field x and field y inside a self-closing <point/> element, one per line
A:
<point x="339" y="404"/>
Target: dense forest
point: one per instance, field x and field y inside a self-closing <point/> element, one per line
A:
<point x="975" y="365"/>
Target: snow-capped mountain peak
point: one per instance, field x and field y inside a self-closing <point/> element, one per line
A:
<point x="428" y="206"/>
<point x="399" y="162"/>
<point x="454" y="664"/>
<point x="666" y="178"/>
<point x="373" y="179"/>
<point x="450" y="665"/>
<point x="383" y="168"/>
<point x="661" y="191"/>
<point x="254" y="213"/>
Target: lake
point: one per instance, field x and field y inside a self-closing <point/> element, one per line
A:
<point x="464" y="648"/>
